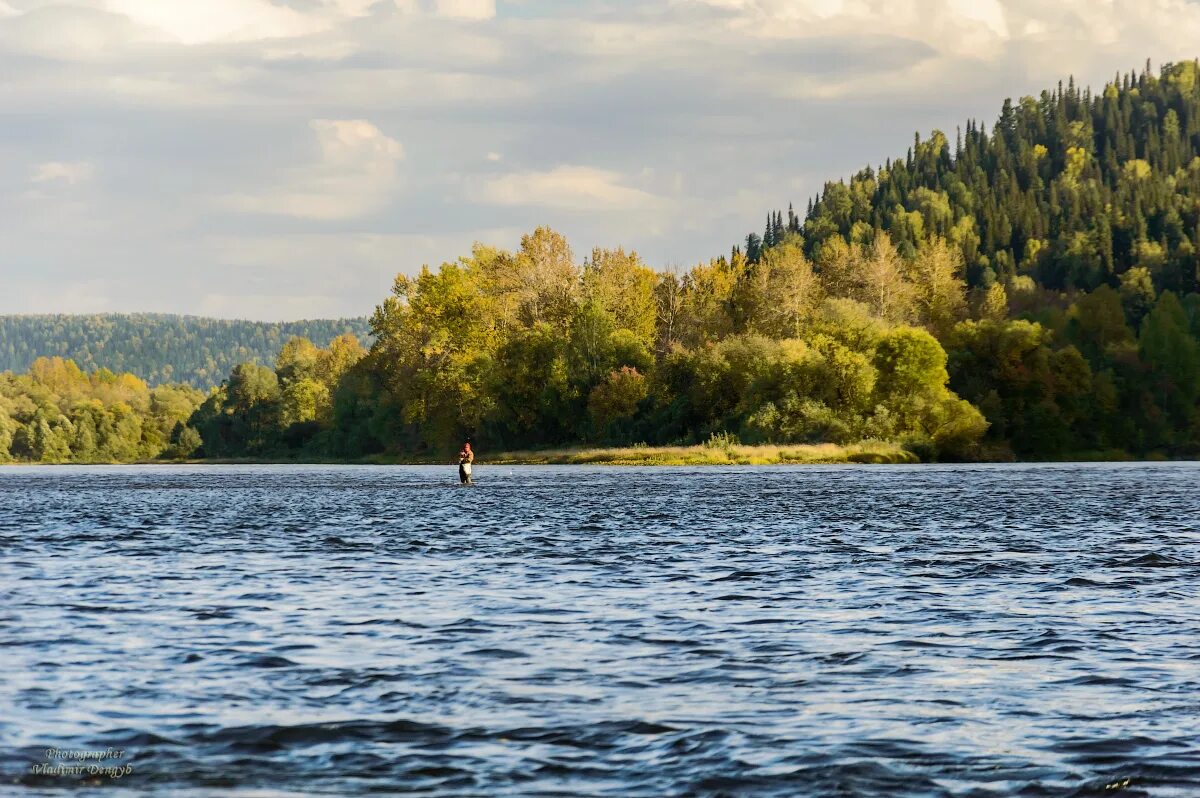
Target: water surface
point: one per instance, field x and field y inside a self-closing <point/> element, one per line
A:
<point x="285" y="631"/>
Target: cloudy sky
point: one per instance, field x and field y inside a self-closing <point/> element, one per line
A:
<point x="279" y="159"/>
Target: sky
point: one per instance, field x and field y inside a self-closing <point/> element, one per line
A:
<point x="285" y="159"/>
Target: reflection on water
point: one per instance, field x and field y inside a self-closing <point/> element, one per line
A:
<point x="272" y="631"/>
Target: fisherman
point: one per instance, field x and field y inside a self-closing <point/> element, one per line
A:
<point x="465" y="458"/>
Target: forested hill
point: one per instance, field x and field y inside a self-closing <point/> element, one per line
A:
<point x="158" y="348"/>
<point x="1072" y="189"/>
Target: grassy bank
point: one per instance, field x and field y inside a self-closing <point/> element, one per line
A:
<point x="865" y="452"/>
<point x="725" y="454"/>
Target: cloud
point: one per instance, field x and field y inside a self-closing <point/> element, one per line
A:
<point x="466" y="9"/>
<point x="354" y="175"/>
<point x="67" y="33"/>
<point x="988" y="12"/>
<point x="216" y="20"/>
<point x="671" y="126"/>
<point x="61" y="172"/>
<point x="571" y="187"/>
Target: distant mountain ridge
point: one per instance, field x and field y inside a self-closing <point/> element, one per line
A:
<point x="158" y="347"/>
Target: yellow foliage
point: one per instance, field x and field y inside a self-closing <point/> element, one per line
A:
<point x="1077" y="160"/>
<point x="1137" y="169"/>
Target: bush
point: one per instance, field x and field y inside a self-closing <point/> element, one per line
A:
<point x="723" y="441"/>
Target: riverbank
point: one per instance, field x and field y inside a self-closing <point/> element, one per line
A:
<point x="876" y="452"/>
<point x="866" y="452"/>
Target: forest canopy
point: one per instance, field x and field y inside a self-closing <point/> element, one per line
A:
<point x="532" y="348"/>
<point x="56" y="413"/>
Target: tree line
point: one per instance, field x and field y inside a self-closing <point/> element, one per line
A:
<point x="1077" y="218"/>
<point x="157" y="348"/>
<point x="531" y="348"/>
<point x="57" y="413"/>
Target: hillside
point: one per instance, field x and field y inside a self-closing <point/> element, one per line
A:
<point x="1077" y="221"/>
<point x="1071" y="189"/>
<point x="158" y="348"/>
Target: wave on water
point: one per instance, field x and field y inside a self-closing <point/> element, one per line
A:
<point x="823" y="631"/>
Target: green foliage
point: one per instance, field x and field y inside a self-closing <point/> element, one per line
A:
<point x="913" y="399"/>
<point x="258" y="410"/>
<point x="1072" y="188"/>
<point x="56" y="413"/>
<point x="1069" y="220"/>
<point x="617" y="397"/>
<point x="1037" y="399"/>
<point x="471" y="350"/>
<point x="722" y="441"/>
<point x="185" y="442"/>
<point x="1137" y="294"/>
<point x="528" y="349"/>
<point x="1173" y="358"/>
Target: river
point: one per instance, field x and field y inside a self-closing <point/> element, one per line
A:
<point x="902" y="631"/>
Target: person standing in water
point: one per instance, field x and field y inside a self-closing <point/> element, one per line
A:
<point x="465" y="458"/>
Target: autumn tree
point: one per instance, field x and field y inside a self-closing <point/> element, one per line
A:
<point x="940" y="293"/>
<point x="623" y="286"/>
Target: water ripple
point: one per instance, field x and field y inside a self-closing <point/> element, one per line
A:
<point x="284" y="631"/>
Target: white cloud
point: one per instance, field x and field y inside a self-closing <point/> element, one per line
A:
<point x="569" y="187"/>
<point x="466" y="9"/>
<point x="133" y="115"/>
<point x="354" y="141"/>
<point x="216" y="20"/>
<point x="355" y="175"/>
<point x="988" y="12"/>
<point x="68" y="33"/>
<point x="354" y="8"/>
<point x="61" y="172"/>
<point x="81" y="22"/>
<point x="959" y="26"/>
